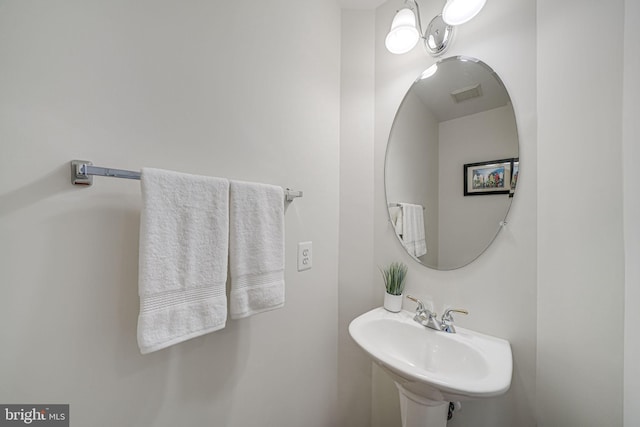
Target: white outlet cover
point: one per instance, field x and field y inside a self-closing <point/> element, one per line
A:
<point x="305" y="256"/>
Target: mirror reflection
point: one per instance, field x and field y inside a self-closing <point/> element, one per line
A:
<point x="452" y="163"/>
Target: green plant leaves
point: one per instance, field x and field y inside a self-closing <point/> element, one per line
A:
<point x="394" y="276"/>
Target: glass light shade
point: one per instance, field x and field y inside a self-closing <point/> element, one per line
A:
<point x="403" y="35"/>
<point x="458" y="12"/>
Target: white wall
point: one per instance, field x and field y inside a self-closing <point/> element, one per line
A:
<point x="468" y="223"/>
<point x="247" y="90"/>
<point x="499" y="289"/>
<point x="356" y="294"/>
<point x="580" y="225"/>
<point x="631" y="158"/>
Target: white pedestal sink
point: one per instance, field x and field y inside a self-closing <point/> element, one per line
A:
<point x="432" y="368"/>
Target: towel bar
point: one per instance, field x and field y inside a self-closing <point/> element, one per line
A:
<point x="398" y="205"/>
<point x="82" y="172"/>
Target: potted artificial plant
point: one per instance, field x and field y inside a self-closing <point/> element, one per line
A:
<point x="394" y="276"/>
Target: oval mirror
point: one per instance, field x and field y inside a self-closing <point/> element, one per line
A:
<point x="452" y="163"/>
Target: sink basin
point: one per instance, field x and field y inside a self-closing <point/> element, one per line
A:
<point x="431" y="366"/>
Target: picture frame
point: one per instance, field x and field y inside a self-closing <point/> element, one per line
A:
<point x="515" y="171"/>
<point x="488" y="178"/>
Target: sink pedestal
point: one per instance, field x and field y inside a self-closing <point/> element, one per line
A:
<point x="417" y="411"/>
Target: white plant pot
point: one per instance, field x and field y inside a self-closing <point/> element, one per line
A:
<point x="392" y="303"/>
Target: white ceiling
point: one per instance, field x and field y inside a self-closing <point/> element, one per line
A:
<point x="360" y="4"/>
<point x="435" y="91"/>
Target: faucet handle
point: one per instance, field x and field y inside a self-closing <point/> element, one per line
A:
<point x="447" y="319"/>
<point x="420" y="306"/>
<point x="448" y="311"/>
<point x="425" y="316"/>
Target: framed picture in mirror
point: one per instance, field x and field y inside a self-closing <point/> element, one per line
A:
<point x="515" y="171"/>
<point x="490" y="177"/>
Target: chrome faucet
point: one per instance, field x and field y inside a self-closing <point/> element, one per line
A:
<point x="425" y="317"/>
<point x="447" y="319"/>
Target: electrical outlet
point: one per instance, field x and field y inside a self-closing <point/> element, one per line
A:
<point x="305" y="256"/>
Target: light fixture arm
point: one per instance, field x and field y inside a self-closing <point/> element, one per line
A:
<point x="418" y="19"/>
<point x="438" y="35"/>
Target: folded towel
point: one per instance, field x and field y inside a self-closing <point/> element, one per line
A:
<point x="184" y="241"/>
<point x="256" y="248"/>
<point x="395" y="213"/>
<point x="413" y="234"/>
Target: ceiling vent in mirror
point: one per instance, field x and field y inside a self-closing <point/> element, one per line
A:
<point x="467" y="93"/>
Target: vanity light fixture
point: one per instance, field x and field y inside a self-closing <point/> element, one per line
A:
<point x="457" y="12"/>
<point x="403" y="35"/>
<point x="406" y="27"/>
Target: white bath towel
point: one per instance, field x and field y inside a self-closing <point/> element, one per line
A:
<point x="184" y="241"/>
<point x="256" y="248"/>
<point x="413" y="234"/>
<point x="395" y="213"/>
